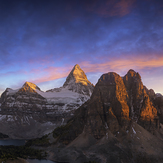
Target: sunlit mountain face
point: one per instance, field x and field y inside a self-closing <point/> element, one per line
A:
<point x="32" y="113"/>
<point x="40" y="41"/>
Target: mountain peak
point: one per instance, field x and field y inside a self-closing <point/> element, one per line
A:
<point x="77" y="66"/>
<point x="77" y="81"/>
<point x="76" y="75"/>
<point x="111" y="76"/>
<point x="133" y="73"/>
<point x="32" y="85"/>
<point x="29" y="87"/>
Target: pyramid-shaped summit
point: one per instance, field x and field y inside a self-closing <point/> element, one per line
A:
<point x="29" y="87"/>
<point x="77" y="81"/>
<point x="77" y="75"/>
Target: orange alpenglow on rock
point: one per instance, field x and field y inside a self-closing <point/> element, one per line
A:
<point x="77" y="75"/>
<point x="29" y="87"/>
<point x="148" y="111"/>
<point x="115" y="103"/>
<point x="117" y="92"/>
<point x="141" y="107"/>
<point x="77" y="81"/>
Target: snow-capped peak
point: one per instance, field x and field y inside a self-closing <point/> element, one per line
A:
<point x="29" y="87"/>
<point x="77" y="82"/>
<point x="77" y="75"/>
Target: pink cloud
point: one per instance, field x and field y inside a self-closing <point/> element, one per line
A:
<point x="52" y="73"/>
<point x="116" y="65"/>
<point x="110" y="7"/>
<point x="122" y="64"/>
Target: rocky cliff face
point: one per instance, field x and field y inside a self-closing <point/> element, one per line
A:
<point x="115" y="125"/>
<point x="157" y="100"/>
<point x="140" y="104"/>
<point x="115" y="103"/>
<point x="108" y="106"/>
<point x="29" y="112"/>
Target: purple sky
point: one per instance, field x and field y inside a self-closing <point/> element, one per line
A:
<point x="41" y="40"/>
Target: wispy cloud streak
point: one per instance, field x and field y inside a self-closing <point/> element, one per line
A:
<point x="123" y="64"/>
<point x="116" y="65"/>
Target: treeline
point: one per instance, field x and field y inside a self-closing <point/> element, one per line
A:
<point x="26" y="151"/>
<point x="2" y="136"/>
<point x="43" y="141"/>
<point x="13" y="152"/>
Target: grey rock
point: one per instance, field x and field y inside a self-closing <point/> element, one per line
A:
<point x="29" y="112"/>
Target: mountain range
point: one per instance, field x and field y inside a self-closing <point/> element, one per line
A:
<point x="118" y="120"/>
<point x="28" y="112"/>
<point x="121" y="122"/>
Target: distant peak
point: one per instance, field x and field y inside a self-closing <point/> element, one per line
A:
<point x="32" y="85"/>
<point x="76" y="75"/>
<point x="28" y="86"/>
<point x="77" y="66"/>
<point x="77" y="81"/>
<point x="28" y="83"/>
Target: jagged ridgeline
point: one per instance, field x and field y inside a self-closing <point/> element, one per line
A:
<point x="118" y="120"/>
<point x="28" y="112"/>
<point x="114" y="103"/>
<point x="119" y="123"/>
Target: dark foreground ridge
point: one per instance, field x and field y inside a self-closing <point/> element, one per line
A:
<point x="119" y="123"/>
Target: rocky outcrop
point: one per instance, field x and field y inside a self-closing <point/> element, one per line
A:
<point x="158" y="103"/>
<point x="115" y="103"/>
<point x="135" y="90"/>
<point x="119" y="123"/>
<point x="108" y="106"/>
<point x="35" y="113"/>
<point x="139" y="101"/>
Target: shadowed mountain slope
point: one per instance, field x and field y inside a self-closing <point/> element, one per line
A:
<point x="120" y="118"/>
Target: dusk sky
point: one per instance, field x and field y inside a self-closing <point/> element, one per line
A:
<point x="41" y="40"/>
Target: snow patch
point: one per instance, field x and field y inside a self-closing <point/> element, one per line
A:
<point x="10" y="118"/>
<point x="10" y="91"/>
<point x="2" y="117"/>
<point x="106" y="125"/>
<point x="133" y="130"/>
<point x="107" y="135"/>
